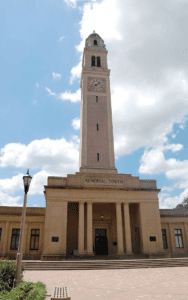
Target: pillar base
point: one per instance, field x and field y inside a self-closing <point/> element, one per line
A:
<point x="81" y="253"/>
<point x="90" y="254"/>
<point x="129" y="253"/>
<point x="121" y="253"/>
<point x="52" y="257"/>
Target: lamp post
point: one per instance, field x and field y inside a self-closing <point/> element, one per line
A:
<point x="27" y="181"/>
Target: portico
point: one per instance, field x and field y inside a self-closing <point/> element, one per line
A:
<point x="130" y="214"/>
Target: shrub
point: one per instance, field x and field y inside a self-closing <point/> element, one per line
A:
<point x="26" y="290"/>
<point x="7" y="274"/>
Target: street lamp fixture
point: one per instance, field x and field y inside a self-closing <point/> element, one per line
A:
<point x="27" y="180"/>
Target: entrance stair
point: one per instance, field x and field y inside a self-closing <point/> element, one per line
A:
<point x="100" y="263"/>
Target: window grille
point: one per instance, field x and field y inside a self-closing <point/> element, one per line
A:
<point x="178" y="237"/>
<point x="96" y="98"/>
<point x="34" y="241"/>
<point x="97" y="127"/>
<point x="165" y="245"/>
<point x="97" y="156"/>
<point x="15" y="239"/>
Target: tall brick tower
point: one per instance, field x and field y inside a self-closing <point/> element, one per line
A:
<point x="96" y="133"/>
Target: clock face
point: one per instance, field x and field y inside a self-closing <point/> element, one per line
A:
<point x="96" y="84"/>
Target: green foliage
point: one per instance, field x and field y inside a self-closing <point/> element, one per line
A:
<point x="26" y="290"/>
<point x="7" y="274"/>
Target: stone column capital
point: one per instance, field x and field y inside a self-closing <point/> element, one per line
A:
<point x="81" y="202"/>
<point x="90" y="202"/>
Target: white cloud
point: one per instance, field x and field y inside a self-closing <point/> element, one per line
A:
<point x="76" y="123"/>
<point x="76" y="72"/>
<point x="50" y="92"/>
<point x="57" y="157"/>
<point x="7" y="200"/>
<point x="35" y="102"/>
<point x="53" y="157"/>
<point x="71" y="3"/>
<point x="37" y="85"/>
<point x="11" y="185"/>
<point x="73" y="97"/>
<point x="61" y="38"/>
<point x="56" y="75"/>
<point x="38" y="181"/>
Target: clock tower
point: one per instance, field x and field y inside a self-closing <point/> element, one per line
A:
<point x="96" y="132"/>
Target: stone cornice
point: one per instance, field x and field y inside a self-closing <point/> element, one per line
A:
<point x="100" y="188"/>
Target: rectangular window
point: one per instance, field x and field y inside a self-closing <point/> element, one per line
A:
<point x="97" y="156"/>
<point x="96" y="98"/>
<point x="34" y="241"/>
<point x="15" y="239"/>
<point x="0" y="233"/>
<point x="97" y="127"/>
<point x="165" y="245"/>
<point x="178" y="237"/>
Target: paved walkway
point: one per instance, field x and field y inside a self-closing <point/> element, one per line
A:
<point x="122" y="284"/>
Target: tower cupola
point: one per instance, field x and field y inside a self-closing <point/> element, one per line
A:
<point x="94" y="41"/>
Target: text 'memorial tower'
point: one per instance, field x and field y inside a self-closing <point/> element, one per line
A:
<point x="96" y="132"/>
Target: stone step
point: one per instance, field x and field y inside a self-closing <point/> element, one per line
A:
<point x="91" y="265"/>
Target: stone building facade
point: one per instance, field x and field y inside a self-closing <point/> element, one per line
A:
<point x="96" y="211"/>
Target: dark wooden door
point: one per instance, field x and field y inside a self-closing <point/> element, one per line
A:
<point x="101" y="242"/>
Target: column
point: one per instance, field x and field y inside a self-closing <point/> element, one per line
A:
<point x="64" y="228"/>
<point x="81" y="229"/>
<point x="89" y="229"/>
<point x="128" y="243"/>
<point x="119" y="230"/>
<point x="172" y="238"/>
<point x="5" y="241"/>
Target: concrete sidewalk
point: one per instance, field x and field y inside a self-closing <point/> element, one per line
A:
<point x="123" y="284"/>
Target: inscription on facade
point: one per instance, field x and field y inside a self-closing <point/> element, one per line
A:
<point x="104" y="181"/>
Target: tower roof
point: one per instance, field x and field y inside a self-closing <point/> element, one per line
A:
<point x="94" y="41"/>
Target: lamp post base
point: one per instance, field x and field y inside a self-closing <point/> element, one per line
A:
<point x="18" y="269"/>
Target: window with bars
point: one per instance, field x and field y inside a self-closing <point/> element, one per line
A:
<point x="97" y="127"/>
<point x="0" y="233"/>
<point x="178" y="238"/>
<point x="96" y="98"/>
<point x="34" y="241"/>
<point x="165" y="245"/>
<point x="97" y="156"/>
<point x="15" y="239"/>
<point x="93" y="61"/>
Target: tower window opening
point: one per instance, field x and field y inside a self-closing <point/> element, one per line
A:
<point x="97" y="156"/>
<point x="98" y="61"/>
<point x="96" y="98"/>
<point x="95" y="42"/>
<point x="97" y="127"/>
<point x="93" y="61"/>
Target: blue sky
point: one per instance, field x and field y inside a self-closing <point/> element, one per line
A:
<point x="41" y="51"/>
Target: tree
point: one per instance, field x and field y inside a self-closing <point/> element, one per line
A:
<point x="184" y="203"/>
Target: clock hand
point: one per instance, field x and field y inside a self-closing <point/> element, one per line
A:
<point x="97" y="84"/>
